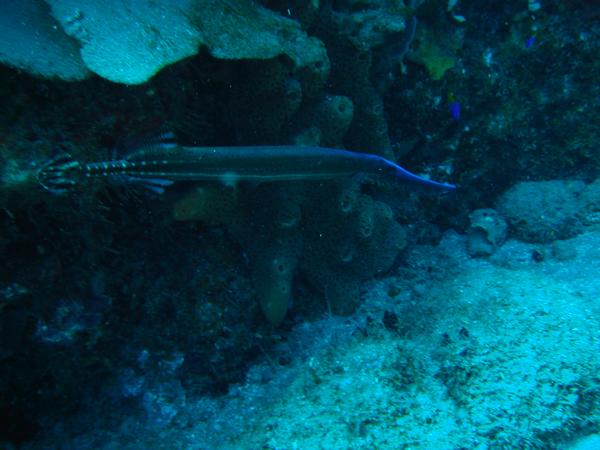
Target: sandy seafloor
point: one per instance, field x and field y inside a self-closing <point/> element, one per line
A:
<point x="448" y="352"/>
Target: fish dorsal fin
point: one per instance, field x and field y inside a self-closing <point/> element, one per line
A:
<point x="146" y="146"/>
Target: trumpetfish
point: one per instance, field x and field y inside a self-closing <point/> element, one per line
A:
<point x="160" y="164"/>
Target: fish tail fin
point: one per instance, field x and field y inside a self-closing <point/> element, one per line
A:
<point x="61" y="174"/>
<point x="425" y="184"/>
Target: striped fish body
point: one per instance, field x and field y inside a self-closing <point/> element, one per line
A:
<point x="161" y="164"/>
<point x="260" y="163"/>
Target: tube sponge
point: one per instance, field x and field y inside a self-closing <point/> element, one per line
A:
<point x="273" y="275"/>
<point x="334" y="115"/>
<point x="351" y="239"/>
<point x="211" y="205"/>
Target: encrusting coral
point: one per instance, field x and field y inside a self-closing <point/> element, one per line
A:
<point x="33" y="41"/>
<point x="130" y="42"/>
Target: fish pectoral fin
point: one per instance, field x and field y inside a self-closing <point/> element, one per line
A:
<point x="156" y="185"/>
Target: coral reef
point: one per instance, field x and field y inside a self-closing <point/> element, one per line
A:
<point x="589" y="215"/>
<point x="542" y="211"/>
<point x="436" y="53"/>
<point x="258" y="83"/>
<point x="129" y="43"/>
<point x="207" y="317"/>
<point x="351" y="37"/>
<point x="33" y="42"/>
<point x="273" y="247"/>
<point x="486" y="233"/>
<point x="273" y="273"/>
<point x="454" y="352"/>
<point x="325" y="123"/>
<point x="353" y="239"/>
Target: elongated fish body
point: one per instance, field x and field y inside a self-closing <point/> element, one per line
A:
<point x="160" y="165"/>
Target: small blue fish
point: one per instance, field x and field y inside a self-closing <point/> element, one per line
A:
<point x="455" y="110"/>
<point x="530" y="41"/>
